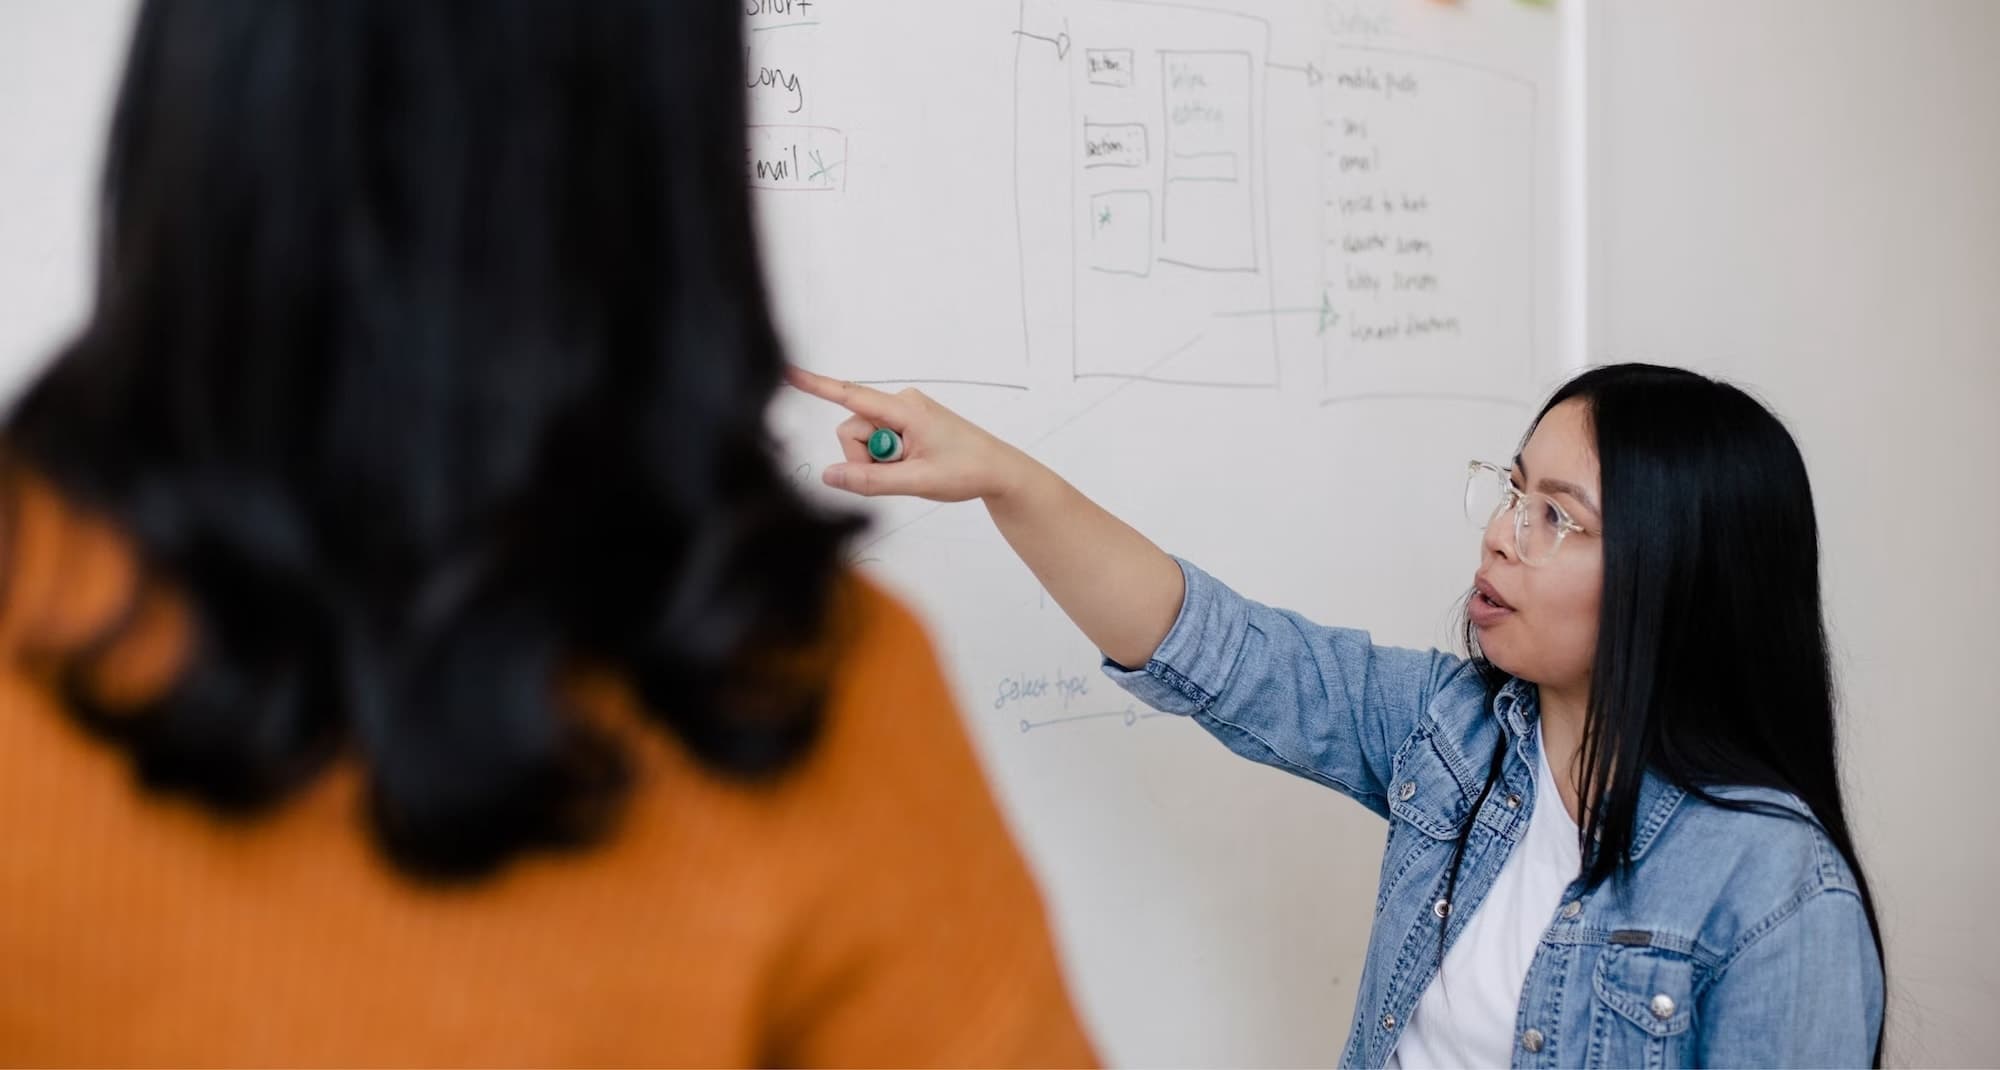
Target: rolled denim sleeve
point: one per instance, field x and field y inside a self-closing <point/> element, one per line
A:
<point x="1806" y="992"/>
<point x="1324" y="703"/>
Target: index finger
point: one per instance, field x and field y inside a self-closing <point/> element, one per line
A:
<point x="886" y="409"/>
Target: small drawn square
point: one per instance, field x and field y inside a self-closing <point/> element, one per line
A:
<point x="1115" y="145"/>
<point x="1109" y="66"/>
<point x="1121" y="232"/>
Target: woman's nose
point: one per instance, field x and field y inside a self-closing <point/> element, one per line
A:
<point x="1499" y="537"/>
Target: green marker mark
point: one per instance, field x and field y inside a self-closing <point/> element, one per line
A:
<point x="823" y="171"/>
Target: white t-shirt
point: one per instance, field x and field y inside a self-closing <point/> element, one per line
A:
<point x="1470" y="1021"/>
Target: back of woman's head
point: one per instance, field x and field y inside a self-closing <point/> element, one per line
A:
<point x="430" y="356"/>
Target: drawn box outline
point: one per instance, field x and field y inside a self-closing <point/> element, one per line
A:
<point x="839" y="186"/>
<point x="1145" y="143"/>
<point x="1167" y="91"/>
<point x="1259" y="198"/>
<point x="1327" y="347"/>
<point x="1090" y="73"/>
<point x="1176" y="174"/>
<point x="1147" y="230"/>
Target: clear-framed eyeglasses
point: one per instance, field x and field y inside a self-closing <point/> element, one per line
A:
<point x="1540" y="522"/>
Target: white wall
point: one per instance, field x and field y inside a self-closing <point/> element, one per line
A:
<point x="1804" y="196"/>
<point x="58" y="70"/>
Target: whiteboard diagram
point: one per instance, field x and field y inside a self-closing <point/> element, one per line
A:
<point x="1200" y="193"/>
<point x="1429" y="247"/>
<point x="1167" y="206"/>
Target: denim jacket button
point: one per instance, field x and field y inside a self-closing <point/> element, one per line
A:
<point x="1408" y="790"/>
<point x="1663" y="1006"/>
<point x="1513" y="801"/>
<point x="1441" y="909"/>
<point x="1389" y="1021"/>
<point x="1572" y="908"/>
<point x="1532" y="1040"/>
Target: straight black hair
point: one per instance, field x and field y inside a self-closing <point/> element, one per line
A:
<point x="1711" y="588"/>
<point x="429" y="359"/>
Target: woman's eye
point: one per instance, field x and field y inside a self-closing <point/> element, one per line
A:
<point x="1551" y="515"/>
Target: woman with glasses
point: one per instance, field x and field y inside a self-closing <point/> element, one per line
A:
<point x="1616" y="827"/>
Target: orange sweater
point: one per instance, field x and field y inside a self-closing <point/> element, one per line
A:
<point x="869" y="909"/>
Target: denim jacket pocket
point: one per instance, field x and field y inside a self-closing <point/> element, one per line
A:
<point x="1426" y="808"/>
<point x="1644" y="1006"/>
<point x="1424" y="792"/>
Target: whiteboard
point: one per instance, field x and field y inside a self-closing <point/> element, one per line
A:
<point x="1258" y="275"/>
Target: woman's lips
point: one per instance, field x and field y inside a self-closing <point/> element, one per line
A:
<point x="1487" y="607"/>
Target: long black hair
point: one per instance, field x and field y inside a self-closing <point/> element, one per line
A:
<point x="1711" y="587"/>
<point x="429" y="359"/>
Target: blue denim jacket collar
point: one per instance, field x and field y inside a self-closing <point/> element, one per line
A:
<point x="1518" y="707"/>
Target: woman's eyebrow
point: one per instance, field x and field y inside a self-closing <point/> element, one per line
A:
<point x="1557" y="486"/>
<point x="1564" y="486"/>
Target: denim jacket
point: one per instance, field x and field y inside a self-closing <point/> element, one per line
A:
<point x="1735" y="939"/>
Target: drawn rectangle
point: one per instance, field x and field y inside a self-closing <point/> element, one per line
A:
<point x="1114" y="144"/>
<point x="811" y="159"/>
<point x="1207" y="99"/>
<point x="1165" y="246"/>
<point x="1121" y="232"/>
<point x="1430" y="240"/>
<point x="1202" y="167"/>
<point x="1109" y="67"/>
